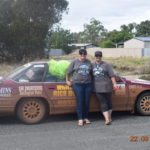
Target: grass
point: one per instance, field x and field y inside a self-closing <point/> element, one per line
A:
<point x="130" y="65"/>
<point x="122" y="65"/>
<point x="145" y="77"/>
<point x="5" y="68"/>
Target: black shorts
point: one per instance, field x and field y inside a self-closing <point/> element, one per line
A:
<point x="105" y="101"/>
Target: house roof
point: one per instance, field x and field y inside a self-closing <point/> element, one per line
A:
<point x="144" y="39"/>
<point x="79" y="44"/>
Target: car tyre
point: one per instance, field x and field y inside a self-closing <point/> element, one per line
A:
<point x="143" y="104"/>
<point x="31" y="110"/>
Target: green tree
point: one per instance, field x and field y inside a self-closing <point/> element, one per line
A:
<point x="93" y="32"/>
<point x="143" y="29"/>
<point x="26" y="24"/>
<point x="130" y="28"/>
<point x="59" y="39"/>
<point x="114" y="37"/>
<point x="107" y="44"/>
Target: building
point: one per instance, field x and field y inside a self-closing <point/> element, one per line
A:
<point x="81" y="45"/>
<point x="54" y="52"/>
<point x="138" y="42"/>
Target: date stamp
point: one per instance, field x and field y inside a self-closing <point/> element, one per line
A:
<point x="143" y="138"/>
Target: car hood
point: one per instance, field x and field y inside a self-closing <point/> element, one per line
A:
<point x="139" y="81"/>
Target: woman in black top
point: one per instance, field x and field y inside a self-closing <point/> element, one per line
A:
<point x="104" y="81"/>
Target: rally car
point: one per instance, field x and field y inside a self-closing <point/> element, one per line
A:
<point x="31" y="92"/>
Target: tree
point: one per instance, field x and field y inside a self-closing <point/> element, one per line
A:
<point x="107" y="44"/>
<point x="60" y="38"/>
<point x="114" y="37"/>
<point x="93" y="31"/>
<point x="143" y="29"/>
<point x="130" y="28"/>
<point x="26" y="24"/>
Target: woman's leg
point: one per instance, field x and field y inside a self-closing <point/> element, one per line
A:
<point x="106" y="116"/>
<point x="109" y="103"/>
<point x="105" y="101"/>
<point x="88" y="93"/>
<point x="79" y="94"/>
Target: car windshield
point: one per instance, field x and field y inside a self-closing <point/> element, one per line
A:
<point x="18" y="70"/>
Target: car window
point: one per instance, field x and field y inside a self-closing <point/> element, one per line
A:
<point x="51" y="78"/>
<point x="33" y="74"/>
<point x="18" y="70"/>
<point x="54" y="75"/>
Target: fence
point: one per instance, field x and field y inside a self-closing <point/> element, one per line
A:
<point x="120" y="52"/>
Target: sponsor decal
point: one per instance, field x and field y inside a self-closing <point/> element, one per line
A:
<point x="63" y="90"/>
<point x="30" y="90"/>
<point x="5" y="91"/>
<point x="136" y="87"/>
<point x="120" y="89"/>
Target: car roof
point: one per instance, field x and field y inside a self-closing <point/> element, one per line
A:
<point x="46" y="61"/>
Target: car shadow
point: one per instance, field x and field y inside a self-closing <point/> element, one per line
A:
<point x="93" y="116"/>
<point x="8" y="120"/>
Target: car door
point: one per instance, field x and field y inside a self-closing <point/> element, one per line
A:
<point x="30" y="81"/>
<point x="60" y="95"/>
<point x="120" y="96"/>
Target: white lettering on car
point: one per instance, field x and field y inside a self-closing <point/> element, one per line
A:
<point x="30" y="90"/>
<point x="5" y="91"/>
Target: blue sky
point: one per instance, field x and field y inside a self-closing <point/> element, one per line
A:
<point x="111" y="13"/>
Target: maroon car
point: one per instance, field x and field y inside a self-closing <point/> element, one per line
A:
<point x="31" y="93"/>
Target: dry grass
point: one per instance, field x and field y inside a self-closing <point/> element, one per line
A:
<point x="130" y="65"/>
<point x="5" y="69"/>
<point x="123" y="65"/>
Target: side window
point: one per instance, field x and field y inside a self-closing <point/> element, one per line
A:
<point x="49" y="77"/>
<point x="52" y="78"/>
<point x="33" y="74"/>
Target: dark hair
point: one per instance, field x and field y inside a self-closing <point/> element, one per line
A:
<point x="82" y="51"/>
<point x="98" y="53"/>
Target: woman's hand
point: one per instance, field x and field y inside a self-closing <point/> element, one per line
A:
<point x="69" y="83"/>
<point x="115" y="87"/>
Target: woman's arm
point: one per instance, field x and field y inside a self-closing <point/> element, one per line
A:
<point x="113" y="80"/>
<point x="68" y="80"/>
<point x="114" y="83"/>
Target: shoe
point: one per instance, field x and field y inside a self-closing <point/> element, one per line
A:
<point x="80" y="123"/>
<point x="87" y="121"/>
<point x="108" y="122"/>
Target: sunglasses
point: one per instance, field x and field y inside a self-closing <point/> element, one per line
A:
<point x="98" y="56"/>
<point x="83" y="54"/>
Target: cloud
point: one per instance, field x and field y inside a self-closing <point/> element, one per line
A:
<point x="112" y="13"/>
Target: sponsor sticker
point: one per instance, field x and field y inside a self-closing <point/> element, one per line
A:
<point x="5" y="91"/>
<point x="120" y="89"/>
<point x="63" y="90"/>
<point x="30" y="90"/>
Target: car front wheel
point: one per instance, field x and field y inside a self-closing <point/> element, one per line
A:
<point x="143" y="104"/>
<point x="31" y="110"/>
